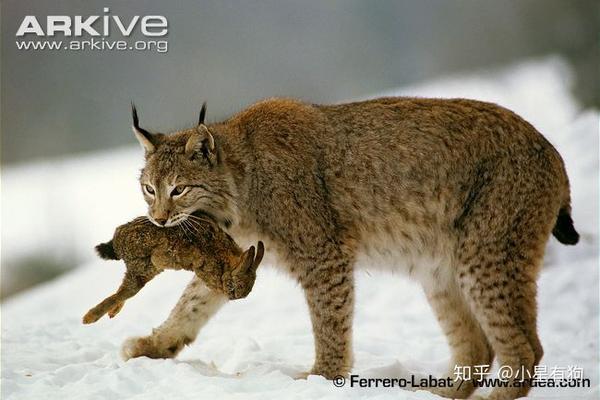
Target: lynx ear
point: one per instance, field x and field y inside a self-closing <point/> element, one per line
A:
<point x="201" y="141"/>
<point x="143" y="136"/>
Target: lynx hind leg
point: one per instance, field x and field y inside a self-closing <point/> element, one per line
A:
<point x="469" y="346"/>
<point x="193" y="310"/>
<point x="499" y="283"/>
<point x="502" y="237"/>
<point x="498" y="305"/>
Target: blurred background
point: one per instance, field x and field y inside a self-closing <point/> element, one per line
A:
<point x="59" y="107"/>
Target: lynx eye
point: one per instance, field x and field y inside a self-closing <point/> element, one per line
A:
<point x="149" y="189"/>
<point x="178" y="190"/>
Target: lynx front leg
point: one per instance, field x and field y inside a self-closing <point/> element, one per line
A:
<point x="195" y="307"/>
<point x="329" y="291"/>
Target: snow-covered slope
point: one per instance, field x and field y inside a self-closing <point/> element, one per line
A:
<point x="250" y="349"/>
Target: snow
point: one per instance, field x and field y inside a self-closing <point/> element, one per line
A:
<point x="253" y="346"/>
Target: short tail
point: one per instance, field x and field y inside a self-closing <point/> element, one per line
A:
<point x="107" y="251"/>
<point x="564" y="230"/>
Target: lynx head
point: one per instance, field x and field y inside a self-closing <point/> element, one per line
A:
<point x="184" y="173"/>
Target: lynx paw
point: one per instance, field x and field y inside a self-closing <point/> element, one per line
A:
<point x="301" y="375"/>
<point x="150" y="346"/>
<point x="330" y="372"/>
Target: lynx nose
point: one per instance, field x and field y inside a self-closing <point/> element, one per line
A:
<point x="161" y="221"/>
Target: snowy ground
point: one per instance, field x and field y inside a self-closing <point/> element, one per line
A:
<point x="250" y="349"/>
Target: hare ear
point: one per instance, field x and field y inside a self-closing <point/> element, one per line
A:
<point x="143" y="136"/>
<point x="246" y="260"/>
<point x="201" y="141"/>
<point x="251" y="258"/>
<point x="260" y="252"/>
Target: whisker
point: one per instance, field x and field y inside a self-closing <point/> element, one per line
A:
<point x="197" y="226"/>
<point x="196" y="218"/>
<point x="185" y="230"/>
<point x="191" y="227"/>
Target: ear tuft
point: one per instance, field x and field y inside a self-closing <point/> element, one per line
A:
<point x="143" y="136"/>
<point x="202" y="114"/>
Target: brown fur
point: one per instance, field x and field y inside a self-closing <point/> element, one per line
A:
<point x="148" y="250"/>
<point x="463" y="194"/>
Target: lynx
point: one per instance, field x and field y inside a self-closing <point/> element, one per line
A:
<point x="462" y="195"/>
